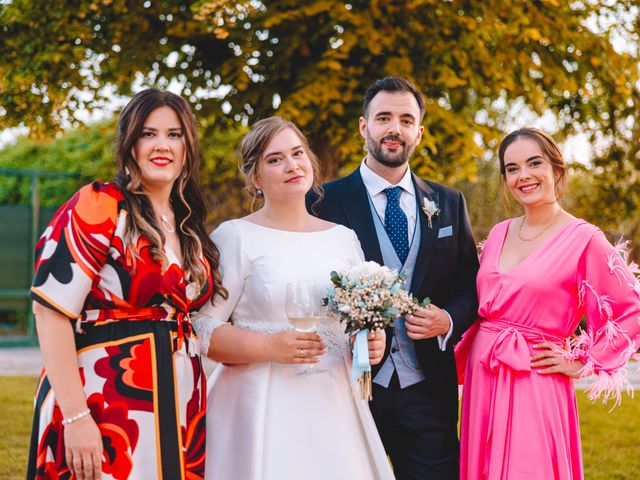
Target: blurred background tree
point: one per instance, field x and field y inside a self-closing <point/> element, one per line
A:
<point x="311" y="60"/>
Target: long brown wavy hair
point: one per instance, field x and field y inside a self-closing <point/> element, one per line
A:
<point x="186" y="199"/>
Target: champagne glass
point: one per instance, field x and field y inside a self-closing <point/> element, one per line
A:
<point x="304" y="309"/>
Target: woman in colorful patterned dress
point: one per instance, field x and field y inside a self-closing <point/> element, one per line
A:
<point x="539" y="275"/>
<point x="123" y="264"/>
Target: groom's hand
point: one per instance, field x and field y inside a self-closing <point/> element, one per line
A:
<point x="427" y="322"/>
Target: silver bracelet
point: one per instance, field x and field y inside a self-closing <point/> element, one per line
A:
<point x="70" y="420"/>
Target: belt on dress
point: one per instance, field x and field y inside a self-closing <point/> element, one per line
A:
<point x="108" y="315"/>
<point x="510" y="348"/>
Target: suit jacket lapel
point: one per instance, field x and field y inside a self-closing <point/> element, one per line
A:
<point x="355" y="202"/>
<point x="428" y="235"/>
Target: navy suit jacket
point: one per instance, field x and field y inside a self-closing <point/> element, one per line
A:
<point x="445" y="268"/>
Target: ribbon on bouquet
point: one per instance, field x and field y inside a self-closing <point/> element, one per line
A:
<point x="360" y="363"/>
<point x="360" y="366"/>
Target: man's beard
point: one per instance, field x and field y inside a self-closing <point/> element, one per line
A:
<point x="391" y="160"/>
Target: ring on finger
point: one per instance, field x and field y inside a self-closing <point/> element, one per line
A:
<point x="301" y="352"/>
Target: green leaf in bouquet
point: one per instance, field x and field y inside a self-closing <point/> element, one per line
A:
<point x="426" y="301"/>
<point x="391" y="313"/>
<point x="336" y="279"/>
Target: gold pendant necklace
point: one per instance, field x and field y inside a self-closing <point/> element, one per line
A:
<point x="546" y="227"/>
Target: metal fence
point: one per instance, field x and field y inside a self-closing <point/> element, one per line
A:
<point x="20" y="228"/>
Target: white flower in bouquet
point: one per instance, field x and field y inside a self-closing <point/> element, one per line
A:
<point x="363" y="271"/>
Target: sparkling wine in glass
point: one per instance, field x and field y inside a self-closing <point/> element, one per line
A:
<point x="304" y="309"/>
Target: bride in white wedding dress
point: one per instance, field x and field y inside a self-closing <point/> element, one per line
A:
<point x="265" y="421"/>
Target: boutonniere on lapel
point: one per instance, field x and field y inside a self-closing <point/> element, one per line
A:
<point x="430" y="209"/>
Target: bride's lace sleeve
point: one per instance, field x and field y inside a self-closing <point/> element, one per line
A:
<point x="233" y="266"/>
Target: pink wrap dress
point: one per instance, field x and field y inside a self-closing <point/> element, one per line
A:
<point x="517" y="423"/>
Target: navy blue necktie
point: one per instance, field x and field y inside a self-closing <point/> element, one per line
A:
<point x="395" y="223"/>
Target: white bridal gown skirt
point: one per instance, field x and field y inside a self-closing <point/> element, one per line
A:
<point x="267" y="422"/>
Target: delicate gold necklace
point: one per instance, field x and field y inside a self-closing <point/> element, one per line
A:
<point x="164" y="223"/>
<point x="546" y="227"/>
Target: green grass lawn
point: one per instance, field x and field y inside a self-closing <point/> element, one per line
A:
<point x="16" y="414"/>
<point x="609" y="440"/>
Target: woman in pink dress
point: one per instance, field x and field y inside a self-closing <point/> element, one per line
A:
<point x="539" y="275"/>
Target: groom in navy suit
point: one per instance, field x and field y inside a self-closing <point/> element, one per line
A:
<point x="421" y="228"/>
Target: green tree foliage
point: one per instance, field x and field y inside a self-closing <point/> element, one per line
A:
<point x="86" y="152"/>
<point x="317" y="56"/>
<point x="220" y="177"/>
<point x="81" y="46"/>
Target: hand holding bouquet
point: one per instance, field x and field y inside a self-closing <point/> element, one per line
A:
<point x="368" y="297"/>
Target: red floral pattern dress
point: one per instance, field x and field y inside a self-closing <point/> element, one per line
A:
<point x="138" y="358"/>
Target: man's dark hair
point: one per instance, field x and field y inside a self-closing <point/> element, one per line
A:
<point x="392" y="84"/>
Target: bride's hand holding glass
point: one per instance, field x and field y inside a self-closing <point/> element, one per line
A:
<point x="297" y="347"/>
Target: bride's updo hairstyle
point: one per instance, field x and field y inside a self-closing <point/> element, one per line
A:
<point x="549" y="149"/>
<point x="254" y="144"/>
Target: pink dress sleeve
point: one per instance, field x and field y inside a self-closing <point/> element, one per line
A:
<point x="610" y="295"/>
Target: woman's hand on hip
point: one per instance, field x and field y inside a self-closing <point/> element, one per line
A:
<point x="551" y="360"/>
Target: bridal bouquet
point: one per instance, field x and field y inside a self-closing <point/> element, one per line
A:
<point x="368" y="297"/>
